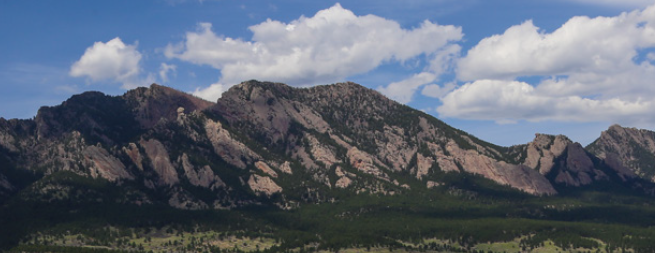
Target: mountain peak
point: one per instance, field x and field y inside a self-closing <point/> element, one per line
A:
<point x="627" y="148"/>
<point x="546" y="140"/>
<point x="156" y="102"/>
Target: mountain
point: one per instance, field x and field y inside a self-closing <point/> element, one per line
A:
<point x="264" y="139"/>
<point x="266" y="144"/>
<point x="628" y="149"/>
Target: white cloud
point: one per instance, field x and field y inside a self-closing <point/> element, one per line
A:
<point x="651" y="56"/>
<point x="618" y="3"/>
<point x="582" y="44"/>
<point x="111" y="61"/>
<point x="589" y="70"/>
<point x="164" y="69"/>
<point x="325" y="48"/>
<point x="404" y="90"/>
<point x="437" y="91"/>
<point x="509" y="101"/>
<point x="211" y="93"/>
<point x="441" y="62"/>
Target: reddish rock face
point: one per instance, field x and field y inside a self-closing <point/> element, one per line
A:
<point x="160" y="102"/>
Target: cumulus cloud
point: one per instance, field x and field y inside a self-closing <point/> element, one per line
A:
<point x="582" y="44"/>
<point x="438" y="91"/>
<point x="110" y="61"/>
<point x="164" y="69"/>
<point x="328" y="47"/>
<point x="618" y="3"/>
<point x="590" y="70"/>
<point x="404" y="90"/>
<point x="441" y="62"/>
<point x="211" y="93"/>
<point x="509" y="101"/>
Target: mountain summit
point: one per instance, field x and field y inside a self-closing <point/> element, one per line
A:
<point x="268" y="143"/>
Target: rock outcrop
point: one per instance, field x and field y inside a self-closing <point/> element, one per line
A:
<point x="576" y="168"/>
<point x="263" y="185"/>
<point x="263" y="167"/>
<point x="132" y="151"/>
<point x="344" y="178"/>
<point x="543" y="150"/>
<point x="105" y="165"/>
<point x="364" y="163"/>
<point x="160" y="162"/>
<point x="5" y="185"/>
<point x="517" y="176"/>
<point x="168" y="147"/>
<point x="157" y="103"/>
<point x="229" y="149"/>
<point x="629" y="151"/>
<point x="202" y="176"/>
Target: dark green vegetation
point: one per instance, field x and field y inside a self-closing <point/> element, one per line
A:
<point x="461" y="216"/>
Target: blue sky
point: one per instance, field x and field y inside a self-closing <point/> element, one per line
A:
<point x="499" y="69"/>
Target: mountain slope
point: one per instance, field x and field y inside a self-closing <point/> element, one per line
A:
<point x="364" y="130"/>
<point x="629" y="150"/>
<point x="322" y="168"/>
<point x="271" y="144"/>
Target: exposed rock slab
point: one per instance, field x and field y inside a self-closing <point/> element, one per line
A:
<point x="364" y="163"/>
<point x="202" y="176"/>
<point x="160" y="161"/>
<point x="132" y="151"/>
<point x="423" y="165"/>
<point x="285" y="167"/>
<point x="628" y="151"/>
<point x="320" y="152"/>
<point x="105" y="165"/>
<point x="229" y="149"/>
<point x="262" y="166"/>
<point x="263" y="185"/>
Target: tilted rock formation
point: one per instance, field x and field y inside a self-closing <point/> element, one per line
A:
<point x="165" y="146"/>
<point x="543" y="150"/>
<point x="161" y="103"/>
<point x="564" y="161"/>
<point x="286" y="167"/>
<point x="203" y="176"/>
<point x="517" y="176"/>
<point x="343" y="182"/>
<point x="262" y="166"/>
<point x="423" y="165"/>
<point x="264" y="185"/>
<point x="364" y="163"/>
<point x="5" y="185"/>
<point x="105" y="165"/>
<point x="229" y="149"/>
<point x="321" y="153"/>
<point x="578" y="168"/>
<point x="344" y="178"/>
<point x="629" y="151"/>
<point x="132" y="151"/>
<point x="160" y="162"/>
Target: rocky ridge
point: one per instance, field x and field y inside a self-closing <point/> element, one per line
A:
<point x="270" y="143"/>
<point x="629" y="150"/>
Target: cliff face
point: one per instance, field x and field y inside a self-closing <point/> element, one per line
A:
<point x="630" y="151"/>
<point x="356" y="128"/>
<point x="270" y="143"/>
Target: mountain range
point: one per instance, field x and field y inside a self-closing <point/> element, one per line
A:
<point x="269" y="144"/>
